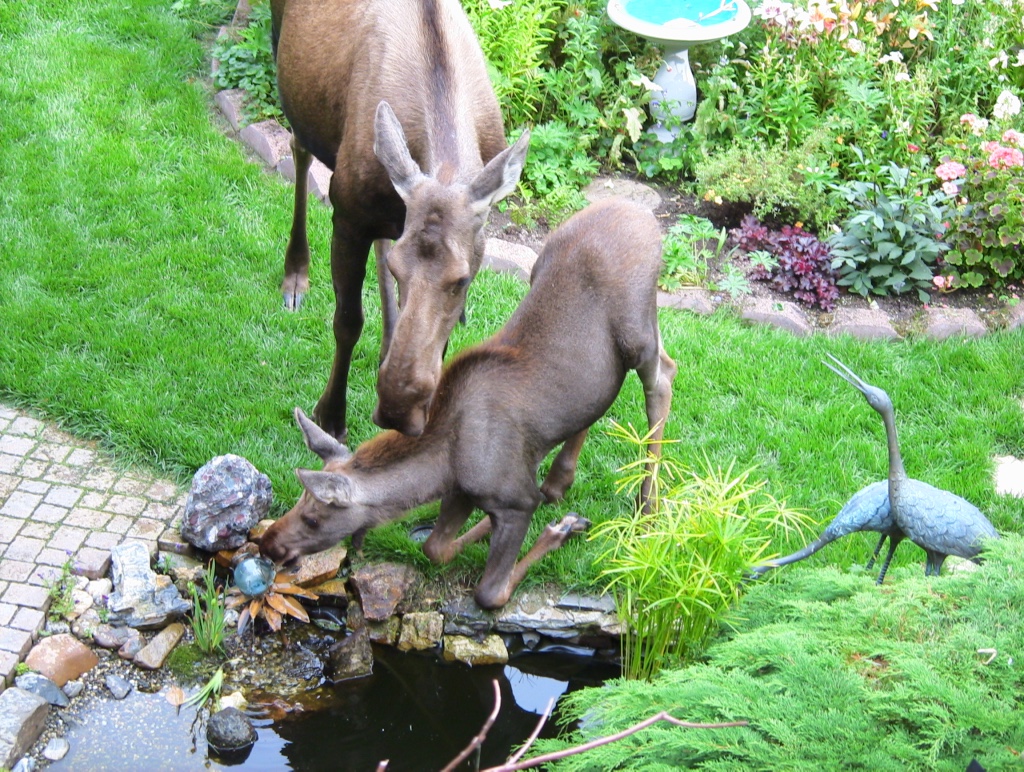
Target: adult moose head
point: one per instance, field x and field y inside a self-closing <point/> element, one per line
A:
<point x="393" y="95"/>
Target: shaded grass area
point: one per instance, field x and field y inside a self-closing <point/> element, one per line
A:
<point x="833" y="673"/>
<point x="142" y="253"/>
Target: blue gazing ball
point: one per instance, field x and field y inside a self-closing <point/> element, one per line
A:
<point x="254" y="575"/>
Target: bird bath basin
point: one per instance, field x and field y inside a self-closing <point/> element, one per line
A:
<point x="675" y="26"/>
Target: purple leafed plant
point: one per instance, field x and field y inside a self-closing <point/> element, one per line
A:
<point x="803" y="263"/>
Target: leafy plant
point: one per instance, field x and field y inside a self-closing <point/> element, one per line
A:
<point x="734" y="282"/>
<point x="208" y="613"/>
<point x="212" y="688"/>
<point x="801" y="264"/>
<point x="688" y="247"/>
<point x="893" y="242"/>
<point x="61" y="589"/>
<point x="676" y="570"/>
<point x="247" y="62"/>
<point x="987" y="225"/>
<point x="21" y="668"/>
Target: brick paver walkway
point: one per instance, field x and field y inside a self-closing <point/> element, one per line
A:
<point x="61" y="499"/>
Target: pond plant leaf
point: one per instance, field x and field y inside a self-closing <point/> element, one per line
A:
<point x="273" y="618"/>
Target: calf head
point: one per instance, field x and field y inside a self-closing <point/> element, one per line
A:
<point x="437" y="256"/>
<point x="328" y="509"/>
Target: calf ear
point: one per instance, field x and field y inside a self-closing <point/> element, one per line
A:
<point x="327" y="487"/>
<point x="392" y="151"/>
<point x="500" y="176"/>
<point x="319" y="441"/>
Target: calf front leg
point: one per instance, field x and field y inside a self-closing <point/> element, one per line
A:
<point x="442" y="545"/>
<point x="657" y="375"/>
<point x="503" y="573"/>
<point x="563" y="469"/>
<point x="296" y="255"/>
<point x="348" y="271"/>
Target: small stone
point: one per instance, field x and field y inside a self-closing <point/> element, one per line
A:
<point x="152" y="657"/>
<point x="381" y="587"/>
<point x="57" y="626"/>
<point x="132" y="646"/>
<point x="490" y="651"/>
<point x="100" y="589"/>
<point x="142" y="598"/>
<point x="234" y="700"/>
<point x="333" y="592"/>
<point x="227" y="498"/>
<point x="385" y="632"/>
<point x="229" y="730"/>
<point x="257" y="531"/>
<point x="85" y="626"/>
<point x="350" y="658"/>
<point x="44" y="687"/>
<point x="61" y="658"/>
<point x="56" y="749"/>
<point x="26" y="764"/>
<point x="22" y="718"/>
<point x="421" y="630"/>
<point x="73" y="688"/>
<point x="320" y="566"/>
<point x="118" y="686"/>
<point x="113" y="637"/>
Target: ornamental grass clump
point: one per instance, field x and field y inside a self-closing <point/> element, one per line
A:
<point x="675" y="571"/>
<point x="208" y="613"/>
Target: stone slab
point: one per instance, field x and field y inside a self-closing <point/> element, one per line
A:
<point x="695" y="299"/>
<point x="268" y="139"/>
<point x="943" y="323"/>
<point x="606" y="187"/>
<point x="862" y="323"/>
<point x="506" y="257"/>
<point x="230" y="102"/>
<point x="782" y="314"/>
<point x="22" y="717"/>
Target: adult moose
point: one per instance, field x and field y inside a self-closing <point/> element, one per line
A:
<point x="352" y="75"/>
<point x="552" y="371"/>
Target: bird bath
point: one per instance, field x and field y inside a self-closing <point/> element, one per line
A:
<point x="675" y="26"/>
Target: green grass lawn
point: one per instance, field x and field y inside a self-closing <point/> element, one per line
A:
<point x="141" y="253"/>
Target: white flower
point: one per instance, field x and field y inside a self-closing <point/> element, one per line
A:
<point x="902" y="77"/>
<point x="777" y="11"/>
<point x="1020" y="59"/>
<point x="958" y="2"/>
<point x="1000" y="60"/>
<point x="855" y="46"/>
<point x="1007" y="105"/>
<point x="892" y="56"/>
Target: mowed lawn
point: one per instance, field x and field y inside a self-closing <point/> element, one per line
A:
<point x="141" y="254"/>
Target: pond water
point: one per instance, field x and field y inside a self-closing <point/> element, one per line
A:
<point x="414" y="711"/>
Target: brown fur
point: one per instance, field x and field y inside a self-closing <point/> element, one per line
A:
<point x="551" y="372"/>
<point x="423" y="172"/>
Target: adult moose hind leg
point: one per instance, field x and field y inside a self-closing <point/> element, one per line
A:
<point x="656" y="374"/>
<point x="348" y="272"/>
<point x="296" y="255"/>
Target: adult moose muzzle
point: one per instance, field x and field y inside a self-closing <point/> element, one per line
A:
<point x="552" y="371"/>
<point x="393" y="95"/>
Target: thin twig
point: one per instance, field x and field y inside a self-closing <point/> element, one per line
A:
<point x="529" y="740"/>
<point x="663" y="716"/>
<point x="479" y="739"/>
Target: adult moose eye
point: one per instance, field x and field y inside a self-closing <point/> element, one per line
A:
<point x="309" y="521"/>
<point x="460" y="285"/>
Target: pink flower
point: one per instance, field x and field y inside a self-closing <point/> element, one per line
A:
<point x="969" y="118"/>
<point x="913" y="148"/>
<point x="950" y="188"/>
<point x="1013" y="137"/>
<point x="1005" y="157"/>
<point x="950" y="170"/>
<point x="989" y="147"/>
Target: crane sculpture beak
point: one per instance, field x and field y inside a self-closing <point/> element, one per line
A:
<point x="848" y="375"/>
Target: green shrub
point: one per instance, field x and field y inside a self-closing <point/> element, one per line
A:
<point x="208" y="613"/>
<point x="689" y="246"/>
<point x="893" y="242"/>
<point x="833" y="672"/>
<point x="678" y="569"/>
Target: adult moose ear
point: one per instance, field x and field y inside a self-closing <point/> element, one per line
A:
<point x="319" y="441"/>
<point x="392" y="151"/>
<point x="326" y="487"/>
<point x="500" y="176"/>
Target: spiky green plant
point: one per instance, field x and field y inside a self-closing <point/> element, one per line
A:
<point x="208" y="613"/>
<point x="677" y="569"/>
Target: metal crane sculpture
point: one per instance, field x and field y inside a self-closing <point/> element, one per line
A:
<point x="867" y="510"/>
<point x="939" y="522"/>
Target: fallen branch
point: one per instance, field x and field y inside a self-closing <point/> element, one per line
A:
<point x="536" y="731"/>
<point x="477" y="741"/>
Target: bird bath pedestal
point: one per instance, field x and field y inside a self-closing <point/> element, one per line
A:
<point x="675" y="26"/>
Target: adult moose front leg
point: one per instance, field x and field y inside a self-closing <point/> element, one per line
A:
<point x="348" y="272"/>
<point x="296" y="255"/>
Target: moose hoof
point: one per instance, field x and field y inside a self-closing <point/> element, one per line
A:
<point x="570" y="524"/>
<point x="293" y="300"/>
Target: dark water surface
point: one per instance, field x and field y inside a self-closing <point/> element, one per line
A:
<point x="414" y="711"/>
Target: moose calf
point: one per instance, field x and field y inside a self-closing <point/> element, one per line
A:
<point x="552" y="371"/>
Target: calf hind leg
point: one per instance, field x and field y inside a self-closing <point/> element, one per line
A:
<point x="296" y="255"/>
<point x="442" y="545"/>
<point x="563" y="469"/>
<point x="503" y="573"/>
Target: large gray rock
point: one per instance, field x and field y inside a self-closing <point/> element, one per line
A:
<point x="22" y="716"/>
<point x="228" y="497"/>
<point x="142" y="598"/>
